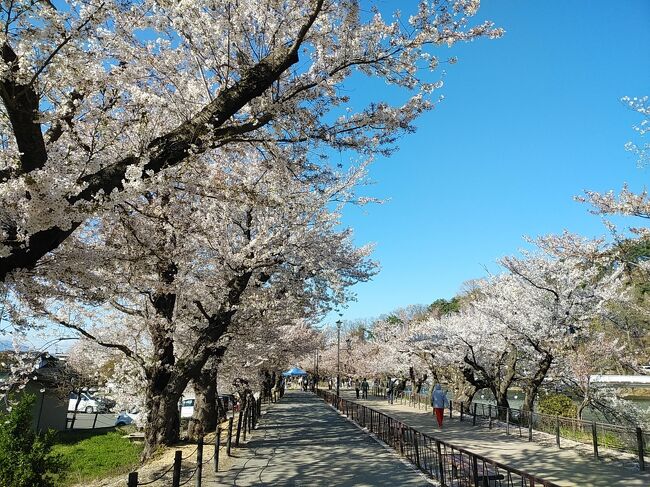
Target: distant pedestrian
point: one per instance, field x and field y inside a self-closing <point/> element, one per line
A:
<point x="329" y="384"/>
<point x="390" y="391"/>
<point x="357" y="387"/>
<point x="439" y="401"/>
<point x="364" y="388"/>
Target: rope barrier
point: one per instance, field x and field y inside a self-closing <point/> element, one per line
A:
<point x="190" y="477"/>
<point x="157" y="478"/>
<point x="188" y="456"/>
<point x="209" y="460"/>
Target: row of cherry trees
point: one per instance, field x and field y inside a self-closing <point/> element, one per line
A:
<point x="165" y="190"/>
<point x="555" y="315"/>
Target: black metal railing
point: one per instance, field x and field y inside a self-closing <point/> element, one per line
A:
<point x="632" y="440"/>
<point x="448" y="464"/>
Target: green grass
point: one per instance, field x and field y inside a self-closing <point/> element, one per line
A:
<point x="91" y="455"/>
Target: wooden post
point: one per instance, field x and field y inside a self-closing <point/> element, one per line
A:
<point x="239" y="420"/>
<point x="176" y="477"/>
<point x="557" y="431"/>
<point x="490" y="416"/>
<point x="594" y="438"/>
<point x="133" y="479"/>
<point x="640" y="446"/>
<point x="530" y="426"/>
<point x="199" y="462"/>
<point x="474" y="416"/>
<point x="217" y="444"/>
<point x="229" y="438"/>
<point x="507" y="421"/>
<point x="245" y="423"/>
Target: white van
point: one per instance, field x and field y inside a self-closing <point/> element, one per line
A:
<point x="187" y="408"/>
<point x="87" y="404"/>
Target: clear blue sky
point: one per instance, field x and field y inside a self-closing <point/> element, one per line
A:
<point x="528" y="122"/>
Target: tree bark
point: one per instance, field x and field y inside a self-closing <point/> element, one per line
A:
<point x="535" y="382"/>
<point x="163" y="420"/>
<point x="204" y="419"/>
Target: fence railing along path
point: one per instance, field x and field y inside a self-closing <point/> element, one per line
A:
<point x="445" y="462"/>
<point x="564" y="466"/>
<point x="629" y="440"/>
<point x="192" y="466"/>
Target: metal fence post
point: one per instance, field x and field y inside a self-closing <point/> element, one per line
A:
<point x="639" y="442"/>
<point x="95" y="420"/>
<point x="474" y="416"/>
<point x="440" y="466"/>
<point x="133" y="479"/>
<point x="176" y="478"/>
<point x="199" y="462"/>
<point x="594" y="436"/>
<point x="507" y="421"/>
<point x="557" y="431"/>
<point x="530" y="426"/>
<point x="450" y="411"/>
<point x="490" y="416"/>
<point x="217" y="444"/>
<point x="461" y="410"/>
<point x="415" y="437"/>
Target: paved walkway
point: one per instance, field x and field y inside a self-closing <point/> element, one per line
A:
<point x="303" y="442"/>
<point x="565" y="467"/>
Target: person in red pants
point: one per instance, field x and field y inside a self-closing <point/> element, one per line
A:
<point x="439" y="401"/>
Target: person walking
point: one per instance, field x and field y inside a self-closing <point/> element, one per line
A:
<point x="357" y="387"/>
<point x="364" y="388"/>
<point x="438" y="402"/>
<point x="390" y="390"/>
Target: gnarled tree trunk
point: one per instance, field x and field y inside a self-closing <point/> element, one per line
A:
<point x="204" y="419"/>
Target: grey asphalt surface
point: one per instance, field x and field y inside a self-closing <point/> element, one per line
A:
<point x="85" y="420"/>
<point x="303" y="442"/>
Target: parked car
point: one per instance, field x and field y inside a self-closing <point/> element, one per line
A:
<point x="187" y="408"/>
<point x="128" y="417"/>
<point x="87" y="403"/>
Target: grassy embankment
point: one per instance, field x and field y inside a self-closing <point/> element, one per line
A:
<point x="92" y="455"/>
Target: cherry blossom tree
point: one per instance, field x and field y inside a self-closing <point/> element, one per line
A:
<point x="175" y="268"/>
<point x="99" y="98"/>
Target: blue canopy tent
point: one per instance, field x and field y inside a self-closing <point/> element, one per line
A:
<point x="294" y="371"/>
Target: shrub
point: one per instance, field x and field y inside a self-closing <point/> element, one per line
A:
<point x="558" y="405"/>
<point x="26" y="459"/>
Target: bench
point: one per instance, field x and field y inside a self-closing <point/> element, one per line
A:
<point x="137" y="436"/>
<point x="487" y="474"/>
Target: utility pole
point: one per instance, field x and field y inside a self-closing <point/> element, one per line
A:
<point x="338" y="356"/>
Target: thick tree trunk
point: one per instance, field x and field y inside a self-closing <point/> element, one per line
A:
<point x="163" y="420"/>
<point x="535" y="383"/>
<point x="204" y="418"/>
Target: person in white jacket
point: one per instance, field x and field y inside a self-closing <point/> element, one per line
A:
<point x="438" y="402"/>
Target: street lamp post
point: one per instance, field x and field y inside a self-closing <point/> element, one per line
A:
<point x="338" y="356"/>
